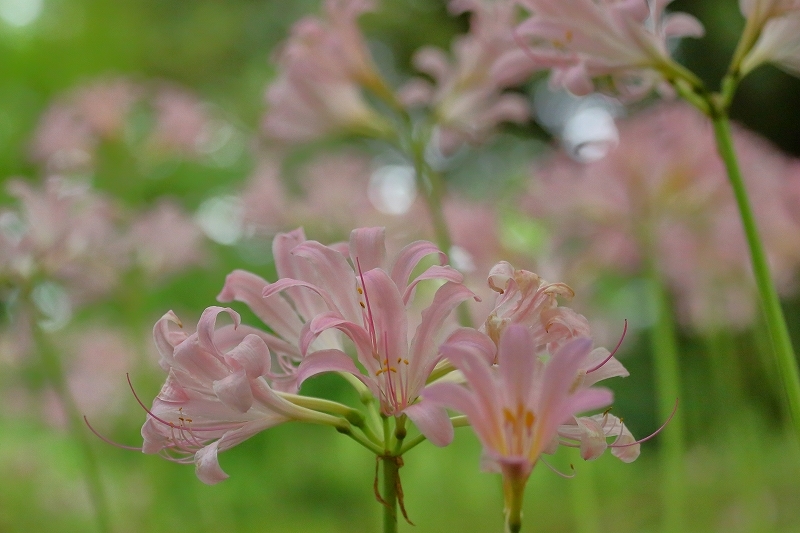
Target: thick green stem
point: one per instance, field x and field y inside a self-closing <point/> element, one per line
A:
<point x="391" y="478"/>
<point x="775" y="321"/>
<point x="55" y="373"/>
<point x="667" y="378"/>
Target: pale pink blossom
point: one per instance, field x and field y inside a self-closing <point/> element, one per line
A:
<point x="369" y="300"/>
<point x="525" y="298"/>
<point x="759" y="12"/>
<point x="63" y="232"/>
<point x="183" y="121"/>
<point x="468" y="99"/>
<point x="165" y="240"/>
<point x="525" y="405"/>
<point x="216" y="394"/>
<point x="778" y="43"/>
<point x="622" y="41"/>
<point x="323" y="67"/>
<point x="662" y="197"/>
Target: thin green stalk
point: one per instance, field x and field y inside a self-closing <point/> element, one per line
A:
<point x="667" y="378"/>
<point x="433" y="188"/>
<point x="775" y="321"/>
<point x="55" y="373"/>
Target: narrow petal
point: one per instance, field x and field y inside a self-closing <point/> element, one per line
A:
<point x="252" y="355"/>
<point x="334" y="275"/>
<point x="368" y="248"/>
<point x="444" y="273"/>
<point x="207" y="325"/>
<point x="516" y="361"/>
<point x="246" y="287"/>
<point x="409" y="257"/>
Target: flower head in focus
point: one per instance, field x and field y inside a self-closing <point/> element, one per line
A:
<point x="369" y="300"/>
<point x="323" y="67"/>
<point x="625" y="42"/>
<point x="522" y="407"/>
<point x="216" y="394"/>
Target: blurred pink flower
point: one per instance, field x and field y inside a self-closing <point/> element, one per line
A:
<point x="521" y="407"/>
<point x="216" y="394"/>
<point x="468" y="100"/>
<point x="165" y="240"/>
<point x="183" y="123"/>
<point x="663" y="196"/>
<point x="370" y="302"/>
<point x="66" y="233"/>
<point x="105" y="104"/>
<point x="323" y="67"/>
<point x="624" y="41"/>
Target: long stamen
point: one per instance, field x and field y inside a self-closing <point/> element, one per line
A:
<point x="607" y="359"/>
<point x="107" y="440"/>
<point x="650" y="436"/>
<point x="370" y="321"/>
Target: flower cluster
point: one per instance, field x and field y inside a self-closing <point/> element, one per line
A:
<point x="386" y="323"/>
<point x="622" y="42"/>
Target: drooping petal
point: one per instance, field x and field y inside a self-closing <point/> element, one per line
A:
<point x="432" y="421"/>
<point x="207" y="465"/>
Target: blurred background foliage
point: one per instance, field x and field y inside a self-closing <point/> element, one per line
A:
<point x="743" y="472"/>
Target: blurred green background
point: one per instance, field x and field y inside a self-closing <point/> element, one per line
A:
<point x="743" y="468"/>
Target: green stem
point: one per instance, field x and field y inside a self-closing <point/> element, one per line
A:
<point x="667" y="378"/>
<point x="55" y="373"/>
<point x="775" y="321"/>
<point x="390" y="482"/>
<point x="585" y="506"/>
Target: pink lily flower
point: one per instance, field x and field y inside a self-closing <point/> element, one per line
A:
<point x="324" y="65"/>
<point x="285" y="314"/>
<point x="624" y="41"/>
<point x="525" y="298"/>
<point x="371" y="302"/>
<point x="216" y="394"/>
<point x="520" y="407"/>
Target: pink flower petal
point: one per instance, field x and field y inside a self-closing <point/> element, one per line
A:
<point x="432" y="421"/>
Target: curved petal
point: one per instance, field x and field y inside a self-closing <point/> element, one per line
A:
<point x="445" y="273"/>
<point x="474" y="341"/>
<point x="432" y="421"/>
<point x="252" y="355"/>
<point x="424" y="352"/>
<point x="234" y="391"/>
<point x="408" y="258"/>
<point x="246" y="287"/>
<point x="368" y="248"/>
<point x="516" y="360"/>
<point x="207" y="466"/>
<point x="334" y="275"/>
<point x="355" y="332"/>
<point x="165" y="339"/>
<point x="326" y="361"/>
<point x="207" y="325"/>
